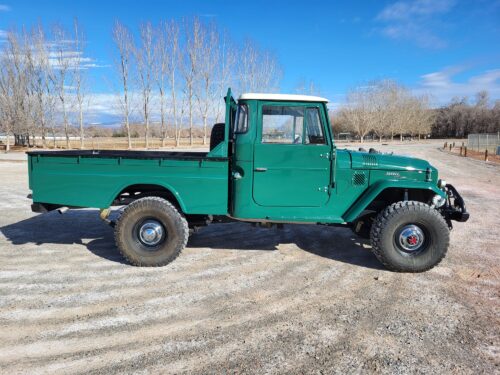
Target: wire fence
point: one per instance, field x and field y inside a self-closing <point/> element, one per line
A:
<point x="483" y="142"/>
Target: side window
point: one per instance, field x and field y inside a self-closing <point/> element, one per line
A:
<point x="242" y="119"/>
<point x="282" y="124"/>
<point x="313" y="129"/>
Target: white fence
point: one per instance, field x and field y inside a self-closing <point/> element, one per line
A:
<point x="482" y="142"/>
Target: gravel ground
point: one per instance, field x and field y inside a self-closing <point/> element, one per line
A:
<point x="239" y="299"/>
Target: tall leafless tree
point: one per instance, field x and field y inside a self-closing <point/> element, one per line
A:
<point x="42" y="82"/>
<point x="258" y="71"/>
<point x="79" y="76"/>
<point x="145" y="57"/>
<point x="226" y="72"/>
<point x="124" y="43"/>
<point x="63" y="59"/>
<point x="208" y="62"/>
<point x="14" y="87"/>
<point x="172" y="44"/>
<point x="162" y="68"/>
<point x="190" y="64"/>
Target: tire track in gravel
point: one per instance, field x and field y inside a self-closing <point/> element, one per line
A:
<point x="307" y="272"/>
<point x="277" y="310"/>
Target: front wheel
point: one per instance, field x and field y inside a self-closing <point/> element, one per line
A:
<point x="151" y="232"/>
<point x="410" y="237"/>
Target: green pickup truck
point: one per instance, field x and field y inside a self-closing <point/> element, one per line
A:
<point x="273" y="161"/>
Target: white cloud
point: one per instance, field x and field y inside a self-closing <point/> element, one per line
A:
<point x="442" y="86"/>
<point x="403" y="10"/>
<point x="4" y="8"/>
<point x="413" y="20"/>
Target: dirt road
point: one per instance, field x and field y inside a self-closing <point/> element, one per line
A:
<point x="239" y="299"/>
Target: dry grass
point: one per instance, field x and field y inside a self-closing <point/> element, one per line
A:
<point x="492" y="158"/>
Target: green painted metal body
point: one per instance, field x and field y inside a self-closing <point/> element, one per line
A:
<point x="242" y="177"/>
<point x="199" y="186"/>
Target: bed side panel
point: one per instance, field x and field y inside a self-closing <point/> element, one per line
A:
<point x="200" y="186"/>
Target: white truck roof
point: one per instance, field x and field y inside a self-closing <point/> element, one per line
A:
<point x="284" y="97"/>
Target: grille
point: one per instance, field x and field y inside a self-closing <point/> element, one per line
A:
<point x="358" y="178"/>
<point x="370" y="161"/>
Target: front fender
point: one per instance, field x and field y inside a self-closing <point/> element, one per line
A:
<point x="371" y="193"/>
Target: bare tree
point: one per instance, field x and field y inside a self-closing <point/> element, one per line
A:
<point x="123" y="42"/>
<point x="308" y="87"/>
<point x="208" y="63"/>
<point x="225" y="74"/>
<point x="357" y="112"/>
<point x="7" y="90"/>
<point x="62" y="75"/>
<point x="144" y="54"/>
<point x="258" y="71"/>
<point x="79" y="77"/>
<point x="14" y="88"/>
<point x="42" y="82"/>
<point x="172" y="35"/>
<point x="162" y="69"/>
<point x="192" y="29"/>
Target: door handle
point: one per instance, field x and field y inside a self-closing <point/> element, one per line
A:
<point x="260" y="169"/>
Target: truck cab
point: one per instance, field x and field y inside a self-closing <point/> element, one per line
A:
<point x="283" y="158"/>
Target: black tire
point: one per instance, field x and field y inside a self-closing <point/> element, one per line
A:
<point x="410" y="237"/>
<point x="169" y="230"/>
<point x="217" y="135"/>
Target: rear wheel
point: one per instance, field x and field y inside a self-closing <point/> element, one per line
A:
<point x="151" y="232"/>
<point x="410" y="237"/>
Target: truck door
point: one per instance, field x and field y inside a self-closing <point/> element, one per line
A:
<point x="292" y="156"/>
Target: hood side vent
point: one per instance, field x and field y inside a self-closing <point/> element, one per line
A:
<point x="370" y="161"/>
<point x="358" y="178"/>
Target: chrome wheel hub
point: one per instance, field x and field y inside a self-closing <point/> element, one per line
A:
<point x="411" y="238"/>
<point x="151" y="233"/>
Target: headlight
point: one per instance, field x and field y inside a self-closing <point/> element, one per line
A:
<point x="441" y="184"/>
<point x="438" y="201"/>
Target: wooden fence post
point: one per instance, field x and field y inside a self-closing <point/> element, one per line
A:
<point x="461" y="150"/>
<point x="486" y="155"/>
<point x="465" y="151"/>
<point x="450" y="147"/>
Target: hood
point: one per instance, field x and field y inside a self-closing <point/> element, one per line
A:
<point x="365" y="160"/>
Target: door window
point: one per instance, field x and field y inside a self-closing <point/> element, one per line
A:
<point x="313" y="129"/>
<point x="282" y="124"/>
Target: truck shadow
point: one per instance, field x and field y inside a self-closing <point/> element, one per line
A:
<point x="83" y="227"/>
<point x="334" y="243"/>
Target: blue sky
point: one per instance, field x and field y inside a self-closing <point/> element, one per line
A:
<point x="445" y="48"/>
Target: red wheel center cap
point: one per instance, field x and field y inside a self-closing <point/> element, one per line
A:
<point x="412" y="240"/>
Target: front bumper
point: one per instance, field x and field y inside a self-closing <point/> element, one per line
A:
<point x="454" y="209"/>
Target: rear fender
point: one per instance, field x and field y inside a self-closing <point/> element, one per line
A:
<point x="168" y="187"/>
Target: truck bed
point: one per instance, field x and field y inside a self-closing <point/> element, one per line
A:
<point x="188" y="155"/>
<point x="95" y="178"/>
